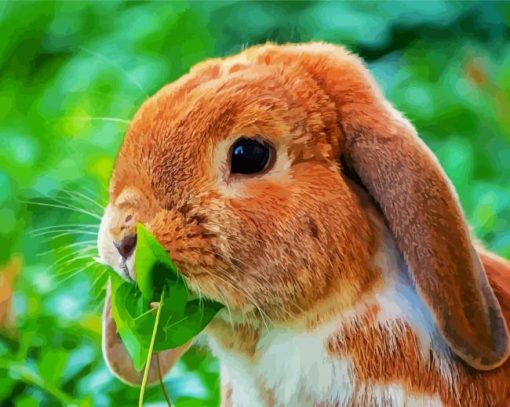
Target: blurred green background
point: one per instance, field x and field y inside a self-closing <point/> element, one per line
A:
<point x="73" y="73"/>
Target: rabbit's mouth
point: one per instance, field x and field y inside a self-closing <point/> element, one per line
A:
<point x="127" y="268"/>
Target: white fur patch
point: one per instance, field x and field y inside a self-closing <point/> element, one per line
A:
<point x="299" y="369"/>
<point x="423" y="401"/>
<point x="399" y="301"/>
<point x="293" y="366"/>
<point x="394" y="395"/>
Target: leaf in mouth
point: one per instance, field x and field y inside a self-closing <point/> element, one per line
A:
<point x="181" y="317"/>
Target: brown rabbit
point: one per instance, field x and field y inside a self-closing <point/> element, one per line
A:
<point x="285" y="186"/>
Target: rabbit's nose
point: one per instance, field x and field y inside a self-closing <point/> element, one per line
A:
<point x="126" y="246"/>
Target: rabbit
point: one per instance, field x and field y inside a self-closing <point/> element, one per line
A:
<point x="285" y="186"/>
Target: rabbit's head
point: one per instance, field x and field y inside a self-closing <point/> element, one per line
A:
<point x="252" y="171"/>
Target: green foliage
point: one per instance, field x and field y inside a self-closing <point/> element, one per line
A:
<point x="181" y="318"/>
<point x="72" y="74"/>
<point x="150" y="257"/>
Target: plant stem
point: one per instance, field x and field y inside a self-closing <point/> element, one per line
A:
<point x="151" y="349"/>
<point x="163" y="387"/>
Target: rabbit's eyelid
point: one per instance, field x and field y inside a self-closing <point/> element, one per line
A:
<point x="257" y="137"/>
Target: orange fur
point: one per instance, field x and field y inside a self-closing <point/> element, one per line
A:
<point x="297" y="245"/>
<point x="379" y="360"/>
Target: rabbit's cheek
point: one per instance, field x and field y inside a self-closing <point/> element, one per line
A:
<point x="108" y="254"/>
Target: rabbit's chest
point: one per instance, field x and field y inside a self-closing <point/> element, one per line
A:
<point x="319" y="368"/>
<point x="288" y="369"/>
<point x="297" y="370"/>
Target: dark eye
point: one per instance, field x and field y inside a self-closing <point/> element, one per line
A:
<point x="250" y="156"/>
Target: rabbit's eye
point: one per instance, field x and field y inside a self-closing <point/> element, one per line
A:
<point x="250" y="156"/>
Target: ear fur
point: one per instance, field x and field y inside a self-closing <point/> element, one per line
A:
<point x="498" y="273"/>
<point x="414" y="194"/>
<point x="118" y="360"/>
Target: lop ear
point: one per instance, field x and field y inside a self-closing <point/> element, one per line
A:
<point x="117" y="357"/>
<point x="414" y="194"/>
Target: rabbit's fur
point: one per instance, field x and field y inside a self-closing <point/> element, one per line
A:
<point x="347" y="268"/>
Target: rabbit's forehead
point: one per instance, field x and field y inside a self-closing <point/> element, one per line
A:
<point x="176" y="135"/>
<point x="265" y="101"/>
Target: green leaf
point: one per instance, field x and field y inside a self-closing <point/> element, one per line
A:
<point x="188" y="402"/>
<point x="6" y="385"/>
<point x="180" y="329"/>
<point x="181" y="317"/>
<point x="124" y="304"/>
<point x="27" y="401"/>
<point x="177" y="297"/>
<point x="52" y="363"/>
<point x="152" y="264"/>
<point x="99" y="283"/>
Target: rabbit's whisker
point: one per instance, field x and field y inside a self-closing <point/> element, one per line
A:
<point x="79" y="195"/>
<point x="30" y="202"/>
<point x="76" y="253"/>
<point x="69" y="201"/>
<point x="90" y="245"/>
<point x="64" y="232"/>
<point x="96" y="118"/>
<point x="97" y="278"/>
<point x="117" y="66"/>
<point x="261" y="286"/>
<point x="264" y="317"/>
<point x="62" y="264"/>
<point x="75" y="272"/>
<point x="56" y="228"/>
<point x="91" y="193"/>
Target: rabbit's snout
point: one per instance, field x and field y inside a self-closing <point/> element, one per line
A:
<point x="126" y="246"/>
<point x="117" y="235"/>
<point x="123" y="232"/>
